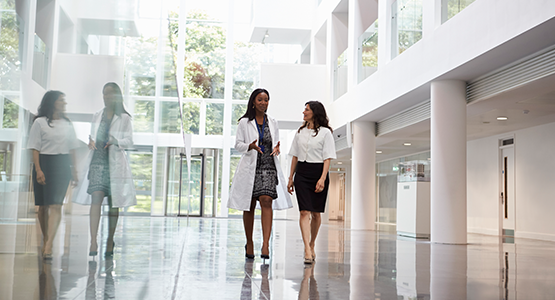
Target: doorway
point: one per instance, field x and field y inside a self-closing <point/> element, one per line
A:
<point x="193" y="194"/>
<point x="336" y="196"/>
<point x="507" y="187"/>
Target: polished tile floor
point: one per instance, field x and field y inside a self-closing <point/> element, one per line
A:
<point x="197" y="258"/>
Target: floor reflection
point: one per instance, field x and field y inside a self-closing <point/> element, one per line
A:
<point x="309" y="286"/>
<point x="178" y="258"/>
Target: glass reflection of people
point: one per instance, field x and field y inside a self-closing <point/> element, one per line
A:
<point x="109" y="285"/>
<point x="258" y="175"/>
<point x="109" y="172"/>
<point x="309" y="286"/>
<point x="47" y="284"/>
<point x="312" y="149"/>
<point x="53" y="141"/>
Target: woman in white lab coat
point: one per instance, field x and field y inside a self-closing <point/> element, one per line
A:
<point x="258" y="175"/>
<point x="109" y="175"/>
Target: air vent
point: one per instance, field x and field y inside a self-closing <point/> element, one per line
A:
<point x="406" y="118"/>
<point x="508" y="142"/>
<point x="528" y="70"/>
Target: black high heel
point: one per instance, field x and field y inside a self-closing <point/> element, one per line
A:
<point x="110" y="253"/>
<point x="248" y="256"/>
<point x="264" y="256"/>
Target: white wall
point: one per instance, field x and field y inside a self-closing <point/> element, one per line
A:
<point x="535" y="200"/>
<point x="283" y="14"/>
<point x="81" y="78"/>
<point x="482" y="27"/>
<point x="291" y="86"/>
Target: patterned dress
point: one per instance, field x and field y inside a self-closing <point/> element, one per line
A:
<point x="266" y="178"/>
<point x="99" y="170"/>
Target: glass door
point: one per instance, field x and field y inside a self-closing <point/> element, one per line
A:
<point x="184" y="191"/>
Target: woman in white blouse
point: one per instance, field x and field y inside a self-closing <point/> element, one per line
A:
<point x="312" y="149"/>
<point x="52" y="139"/>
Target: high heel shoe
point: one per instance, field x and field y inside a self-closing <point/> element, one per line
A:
<point x="308" y="261"/>
<point x="93" y="253"/>
<point x="265" y="256"/>
<point x="110" y="253"/>
<point x="248" y="256"/>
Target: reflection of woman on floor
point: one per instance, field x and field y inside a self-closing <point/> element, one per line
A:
<point x="47" y="284"/>
<point x="109" y="174"/>
<point x="309" y="287"/>
<point x="53" y="141"/>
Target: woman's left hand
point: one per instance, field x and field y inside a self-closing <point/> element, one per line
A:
<point x="320" y="185"/>
<point x="276" y="150"/>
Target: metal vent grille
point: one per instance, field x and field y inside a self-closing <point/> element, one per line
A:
<point x="528" y="70"/>
<point x="406" y="118"/>
<point x="341" y="143"/>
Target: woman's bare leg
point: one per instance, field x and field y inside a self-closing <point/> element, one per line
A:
<point x="266" y="218"/>
<point x="113" y="215"/>
<point x="248" y="224"/>
<point x="314" y="227"/>
<point x="54" y="217"/>
<point x="43" y="222"/>
<point x="304" y="222"/>
<point x="94" y="218"/>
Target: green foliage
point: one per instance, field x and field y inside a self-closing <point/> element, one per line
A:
<point x="456" y="6"/>
<point x="10" y="59"/>
<point x="11" y="114"/>
<point x="409" y="23"/>
<point x="204" y="68"/>
<point x="141" y="61"/>
<point x="214" y="118"/>
<point x="247" y="57"/>
<point x="370" y="49"/>
<point x="237" y="111"/>
<point x="170" y="117"/>
<point x="143" y="117"/>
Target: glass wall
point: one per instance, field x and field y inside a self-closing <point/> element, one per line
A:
<point x="452" y="7"/>
<point x="386" y="186"/>
<point x="368" y="52"/>
<point x="11" y="46"/>
<point x="340" y="75"/>
<point x="406" y="26"/>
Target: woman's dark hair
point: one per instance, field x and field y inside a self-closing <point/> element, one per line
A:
<point x="319" y="117"/>
<point x="251" y="112"/>
<point x="46" y="107"/>
<point x="118" y="97"/>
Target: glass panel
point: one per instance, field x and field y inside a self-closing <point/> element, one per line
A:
<point x="214" y="118"/>
<point x="143" y="116"/>
<point x="238" y="110"/>
<point x="169" y="117"/>
<point x="191" y="187"/>
<point x="204" y="57"/>
<point x="41" y="56"/>
<point x="140" y="61"/>
<point x="340" y="75"/>
<point x="172" y="196"/>
<point x="141" y="168"/>
<point x="208" y="186"/>
<point x="11" y="46"/>
<point x="191" y="117"/>
<point x="386" y="182"/>
<point x="454" y="7"/>
<point x="368" y="52"/>
<point x="246" y="68"/>
<point x="406" y="24"/>
<point x="10" y="114"/>
<point x="158" y="205"/>
<point x="170" y="56"/>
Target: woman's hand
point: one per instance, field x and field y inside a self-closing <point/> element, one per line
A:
<point x="40" y="177"/>
<point x="276" y="150"/>
<point x="254" y="146"/>
<point x="290" y="188"/>
<point x="92" y="145"/>
<point x="320" y="185"/>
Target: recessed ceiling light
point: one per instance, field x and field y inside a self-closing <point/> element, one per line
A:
<point x="339" y="163"/>
<point x="407" y="144"/>
<point x="379" y="151"/>
<point x="502" y="118"/>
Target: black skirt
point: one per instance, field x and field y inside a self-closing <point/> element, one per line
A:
<point x="57" y="174"/>
<point x="306" y="178"/>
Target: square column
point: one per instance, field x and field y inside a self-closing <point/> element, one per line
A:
<point x="448" y="156"/>
<point x="363" y="182"/>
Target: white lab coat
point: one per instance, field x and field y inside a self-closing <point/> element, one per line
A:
<point x="240" y="195"/>
<point x="121" y="179"/>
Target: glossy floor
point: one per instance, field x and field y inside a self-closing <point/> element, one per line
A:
<point x="169" y="258"/>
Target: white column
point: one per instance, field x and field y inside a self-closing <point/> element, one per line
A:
<point x="448" y="160"/>
<point x="363" y="182"/>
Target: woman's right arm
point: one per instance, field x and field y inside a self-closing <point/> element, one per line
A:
<point x="40" y="174"/>
<point x="241" y="143"/>
<point x="294" y="160"/>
